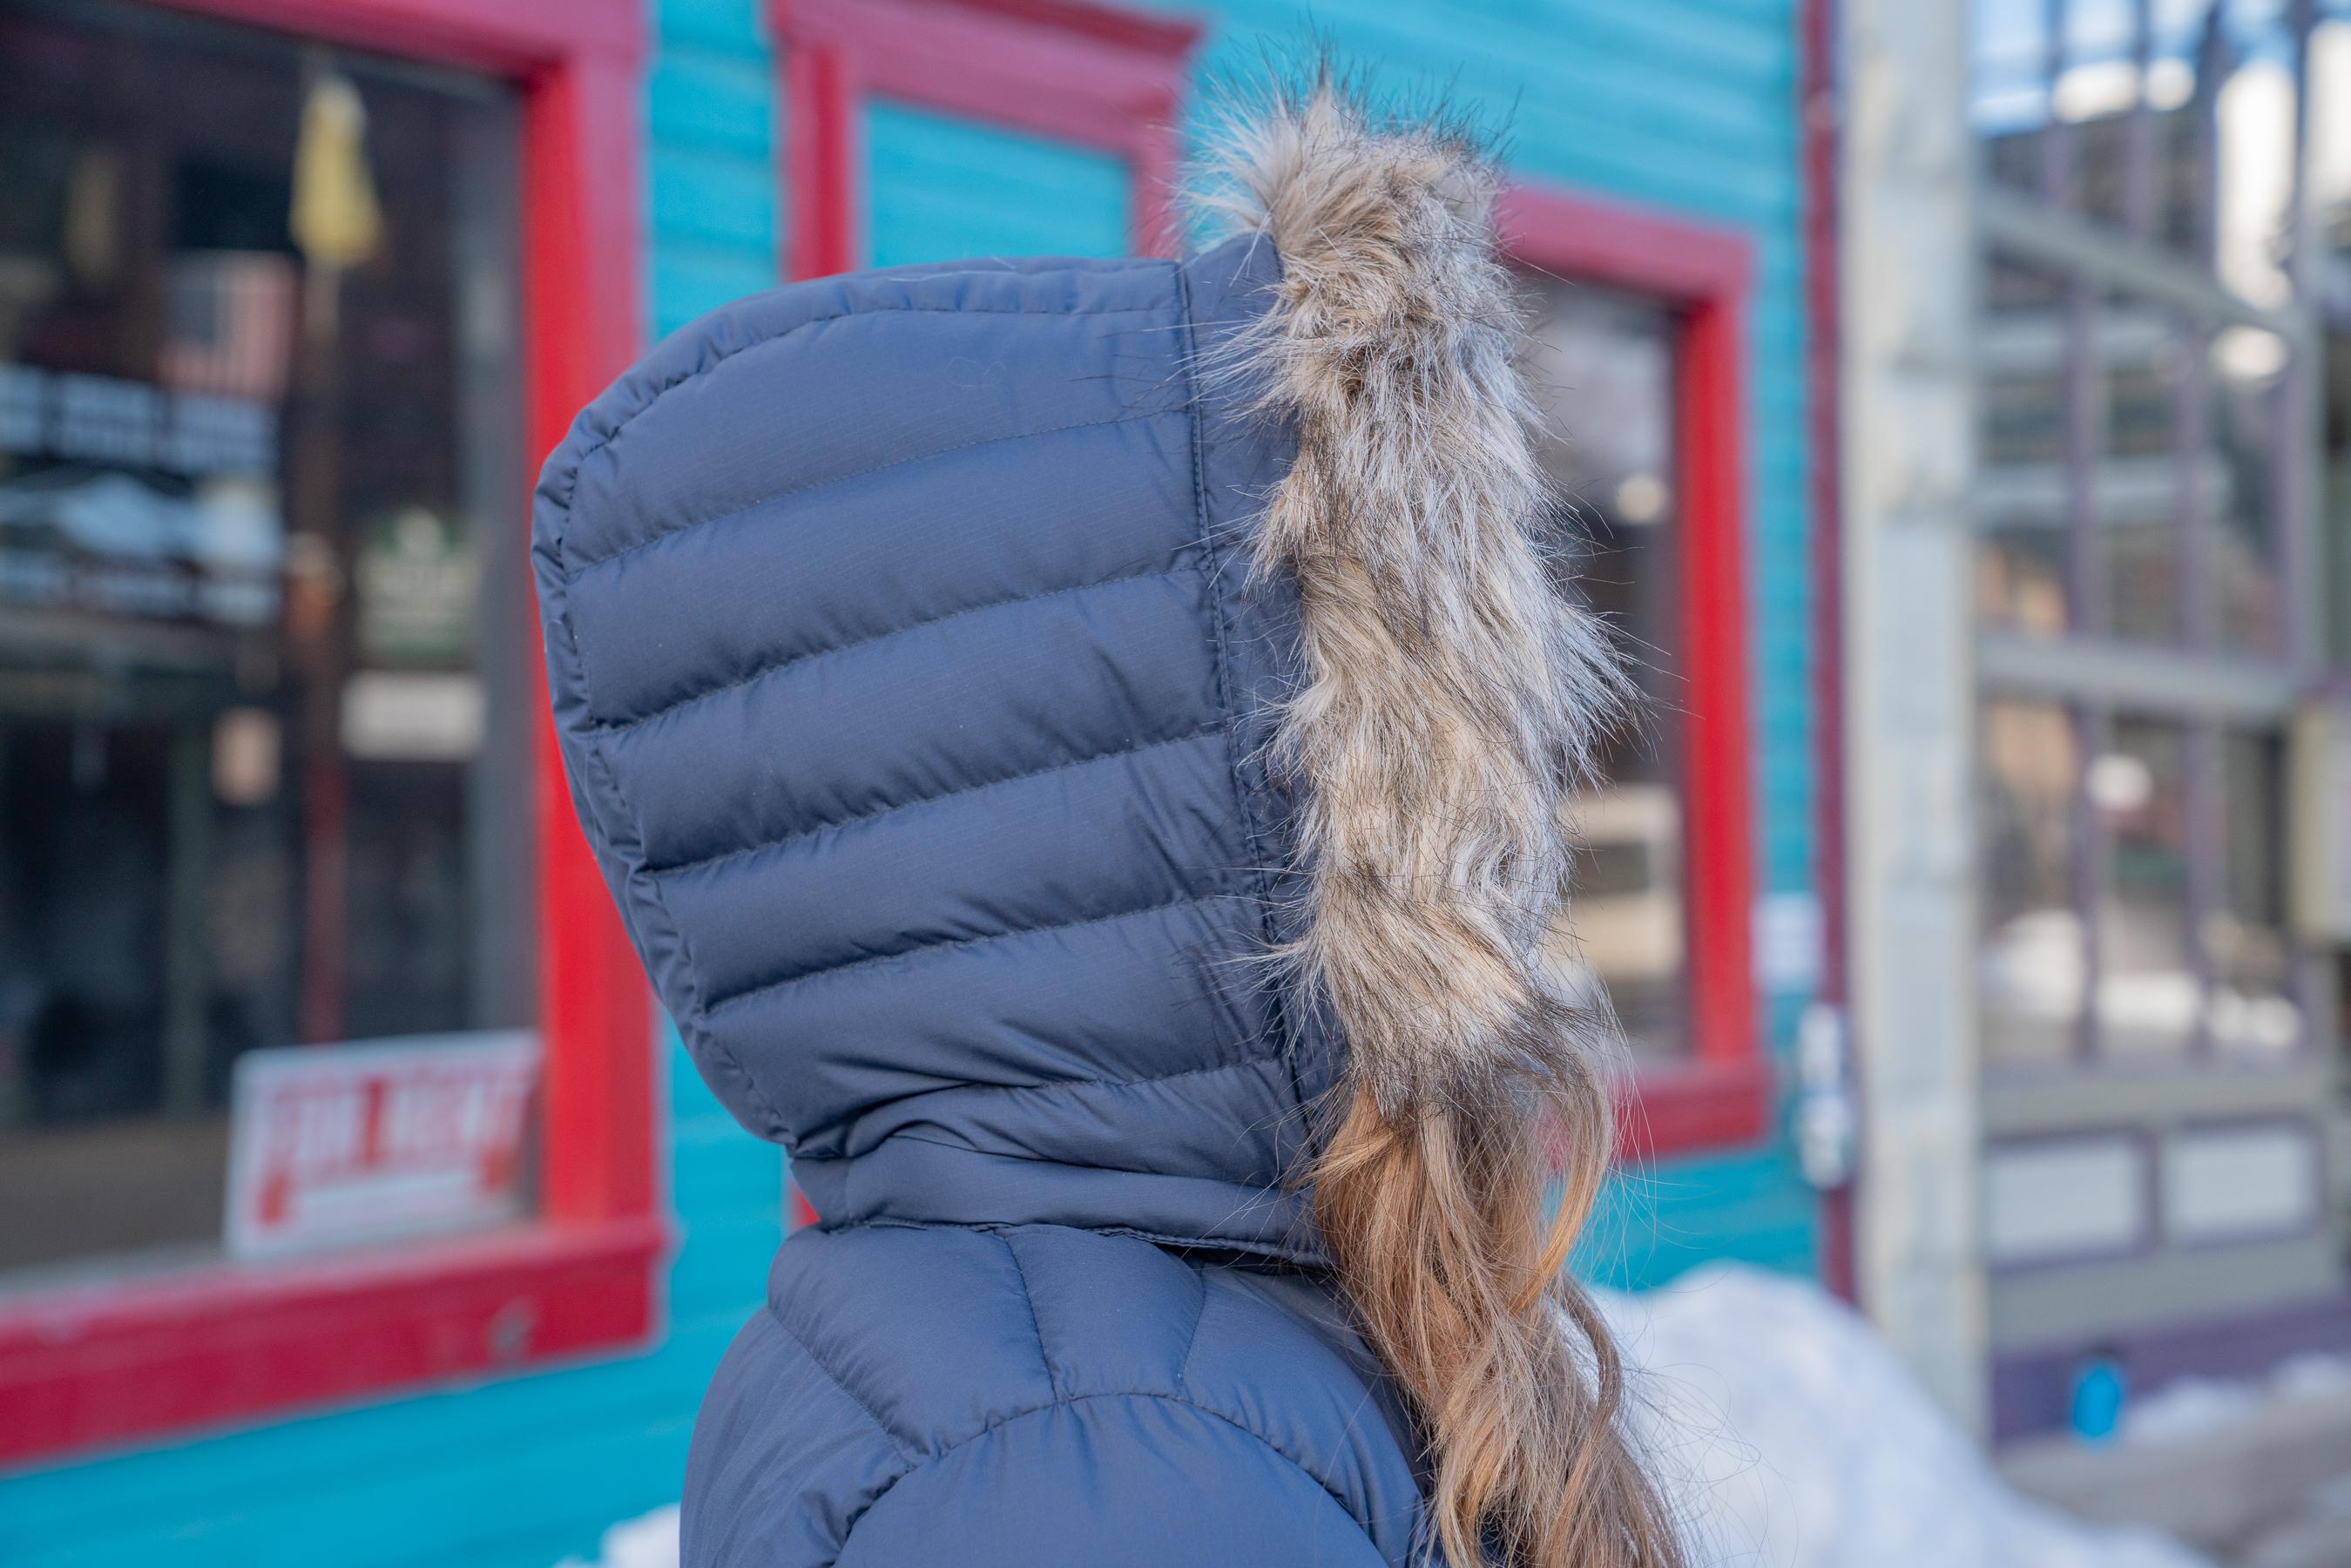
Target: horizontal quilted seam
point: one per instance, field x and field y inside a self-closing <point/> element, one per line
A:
<point x="1240" y="1064"/>
<point x="576" y="570"/>
<point x="573" y="570"/>
<point x="717" y="1004"/>
<point x="1006" y="1155"/>
<point x="998" y="1425"/>
<point x="744" y="851"/>
<point x="800" y="1150"/>
<point x="603" y="439"/>
<point x="1303" y="1257"/>
<point x="623" y="726"/>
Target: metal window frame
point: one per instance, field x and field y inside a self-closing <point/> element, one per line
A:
<point x="2092" y="675"/>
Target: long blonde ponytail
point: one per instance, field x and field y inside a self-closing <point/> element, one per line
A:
<point x="1437" y="1230"/>
<point x="1451" y="702"/>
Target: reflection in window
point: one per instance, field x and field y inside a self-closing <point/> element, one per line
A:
<point x="2181" y="939"/>
<point x="2149" y="992"/>
<point x="2022" y="499"/>
<point x="2196" y="151"/>
<point x="2135" y="497"/>
<point x="2033" y="955"/>
<point x="2253" y="1012"/>
<point x="2246" y="375"/>
<point x="2133" y="488"/>
<point x="2173" y="501"/>
<point x="1603" y="362"/>
<point x="261" y="757"/>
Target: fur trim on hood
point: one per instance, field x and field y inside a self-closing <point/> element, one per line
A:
<point x="1452" y="696"/>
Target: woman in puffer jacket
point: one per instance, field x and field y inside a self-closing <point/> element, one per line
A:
<point x="1080" y="747"/>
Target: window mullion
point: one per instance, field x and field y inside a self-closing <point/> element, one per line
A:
<point x="2191" y="438"/>
<point x="2207" y="836"/>
<point x="2093" y="855"/>
<point x="2085" y="418"/>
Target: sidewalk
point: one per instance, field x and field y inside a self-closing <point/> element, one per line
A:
<point x="2267" y="1486"/>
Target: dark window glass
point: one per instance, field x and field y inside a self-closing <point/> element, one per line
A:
<point x="2034" y="956"/>
<point x="1604" y="365"/>
<point x="2238" y="465"/>
<point x="2150" y="992"/>
<point x="2254" y="1009"/>
<point x="2023" y="499"/>
<point x="263" y="778"/>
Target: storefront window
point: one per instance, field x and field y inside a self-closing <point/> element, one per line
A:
<point x="2023" y="502"/>
<point x="2150" y="993"/>
<point x="2171" y="121"/>
<point x="2035" y="964"/>
<point x="1604" y="362"/>
<point x="2139" y="862"/>
<point x="2136" y="491"/>
<point x="2142" y="489"/>
<point x="2241" y="462"/>
<point x="2254" y="1011"/>
<point x="264" y="770"/>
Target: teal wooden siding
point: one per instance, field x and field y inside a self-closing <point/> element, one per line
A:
<point x="938" y="188"/>
<point x="710" y="185"/>
<point x="515" y="1472"/>
<point x="1684" y="105"/>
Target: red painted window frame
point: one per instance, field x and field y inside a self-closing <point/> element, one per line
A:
<point x="1721" y="1094"/>
<point x="101" y="1364"/>
<point x="1095" y="76"/>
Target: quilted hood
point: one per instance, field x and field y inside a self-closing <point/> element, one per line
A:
<point x="914" y="695"/>
<point x="927" y="658"/>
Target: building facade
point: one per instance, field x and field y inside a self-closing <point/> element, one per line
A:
<point x="2158" y="614"/>
<point x="292" y="297"/>
<point x="2093" y="323"/>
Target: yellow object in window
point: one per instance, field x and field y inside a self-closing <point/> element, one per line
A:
<point x="335" y="220"/>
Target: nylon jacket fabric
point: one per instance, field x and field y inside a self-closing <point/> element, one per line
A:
<point x="915" y="691"/>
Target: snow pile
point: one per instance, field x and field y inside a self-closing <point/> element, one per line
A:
<point x="1789" y="1436"/>
<point x="647" y="1542"/>
<point x="2188" y="1408"/>
<point x="1792" y="1437"/>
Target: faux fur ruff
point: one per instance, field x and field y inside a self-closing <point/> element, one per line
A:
<point x="1453" y="696"/>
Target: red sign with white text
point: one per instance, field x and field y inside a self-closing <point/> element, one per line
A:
<point x="332" y="1145"/>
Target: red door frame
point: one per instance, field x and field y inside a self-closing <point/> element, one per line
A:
<point x="1096" y="76"/>
<point x="1721" y="1094"/>
<point x="111" y="1362"/>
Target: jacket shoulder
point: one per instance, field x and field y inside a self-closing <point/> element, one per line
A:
<point x="1035" y="1393"/>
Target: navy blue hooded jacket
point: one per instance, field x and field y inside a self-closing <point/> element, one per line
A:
<point x="902" y="642"/>
<point x="916" y="680"/>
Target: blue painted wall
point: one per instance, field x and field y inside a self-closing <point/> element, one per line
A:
<point x="938" y="187"/>
<point x="1687" y="105"/>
